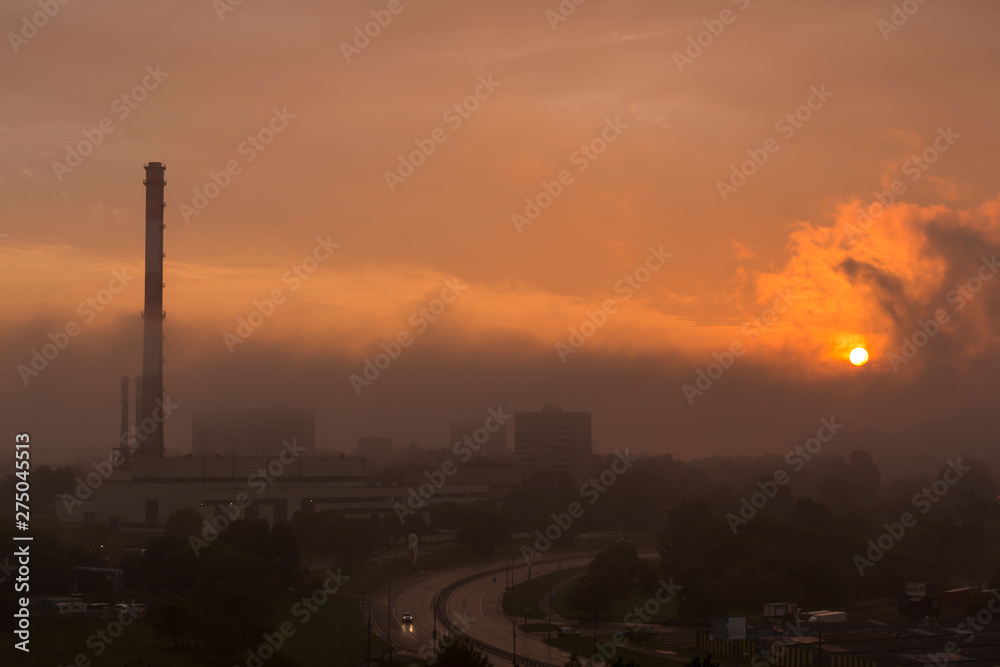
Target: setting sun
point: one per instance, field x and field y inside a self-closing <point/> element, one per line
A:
<point x="859" y="356"/>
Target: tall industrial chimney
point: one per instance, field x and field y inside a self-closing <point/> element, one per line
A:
<point x="149" y="431"/>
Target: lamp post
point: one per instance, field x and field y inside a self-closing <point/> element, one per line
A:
<point x="513" y="633"/>
<point x="368" y="650"/>
<point x="550" y="620"/>
<point x="527" y="584"/>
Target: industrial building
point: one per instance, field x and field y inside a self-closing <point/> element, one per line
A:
<point x="245" y="487"/>
<point x="376" y="451"/>
<point x="498" y="480"/>
<point x="245" y="463"/>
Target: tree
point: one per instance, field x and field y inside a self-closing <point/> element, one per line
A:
<point x="592" y="593"/>
<point x="169" y="564"/>
<point x="221" y="598"/>
<point x="530" y="506"/>
<point x="613" y="574"/>
<point x="864" y="474"/>
<point x="483" y="529"/>
<point x="687" y="541"/>
<point x="284" y="550"/>
<point x="183" y="523"/>
<point x="702" y="599"/>
<point x="331" y="533"/>
<point x="463" y="653"/>
<point x="170" y="616"/>
<point x="447" y="516"/>
<point x="231" y="616"/>
<point x="621" y="563"/>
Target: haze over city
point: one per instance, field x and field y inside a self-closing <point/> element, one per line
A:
<point x="542" y="334"/>
<point x="890" y="95"/>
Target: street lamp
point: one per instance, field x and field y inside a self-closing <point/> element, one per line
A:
<point x="527" y="585"/>
<point x="513" y="633"/>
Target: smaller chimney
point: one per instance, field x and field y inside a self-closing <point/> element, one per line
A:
<point x="123" y="443"/>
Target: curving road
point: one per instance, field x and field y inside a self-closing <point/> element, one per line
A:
<point x="474" y="605"/>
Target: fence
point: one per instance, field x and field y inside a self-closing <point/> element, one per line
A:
<point x="746" y="650"/>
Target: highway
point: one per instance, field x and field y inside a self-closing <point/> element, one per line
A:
<point x="474" y="605"/>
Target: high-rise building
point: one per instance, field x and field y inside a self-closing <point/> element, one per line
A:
<point x="376" y="451"/>
<point x="553" y="440"/>
<point x="227" y="432"/>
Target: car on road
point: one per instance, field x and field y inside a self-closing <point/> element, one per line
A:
<point x="568" y="632"/>
<point x="407" y="618"/>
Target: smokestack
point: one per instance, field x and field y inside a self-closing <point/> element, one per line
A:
<point x="151" y="385"/>
<point x="123" y="443"/>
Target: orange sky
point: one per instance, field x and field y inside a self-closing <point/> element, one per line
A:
<point x="787" y="230"/>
